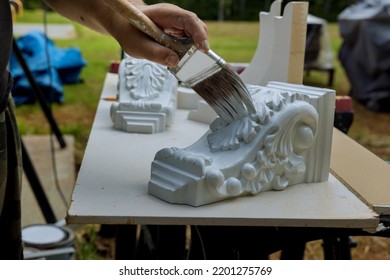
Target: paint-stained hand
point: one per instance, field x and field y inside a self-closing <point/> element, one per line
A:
<point x="172" y="20"/>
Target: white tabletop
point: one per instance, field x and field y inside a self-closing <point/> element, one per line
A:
<point x="111" y="187"/>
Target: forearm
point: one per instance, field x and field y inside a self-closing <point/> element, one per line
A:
<point x="95" y="14"/>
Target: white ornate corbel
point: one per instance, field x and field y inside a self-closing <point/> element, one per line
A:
<point x="285" y="143"/>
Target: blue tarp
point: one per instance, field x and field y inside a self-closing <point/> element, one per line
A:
<point x="51" y="67"/>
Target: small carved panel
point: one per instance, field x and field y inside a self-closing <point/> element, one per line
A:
<point x="146" y="97"/>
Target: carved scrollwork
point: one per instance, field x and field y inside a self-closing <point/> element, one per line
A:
<point x="279" y="157"/>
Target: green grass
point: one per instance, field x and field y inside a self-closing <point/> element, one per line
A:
<point x="86" y="242"/>
<point x="234" y="41"/>
<point x="37" y="16"/>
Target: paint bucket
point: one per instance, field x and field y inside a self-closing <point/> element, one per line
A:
<point x="52" y="242"/>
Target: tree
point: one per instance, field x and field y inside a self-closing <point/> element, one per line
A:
<point x="221" y="10"/>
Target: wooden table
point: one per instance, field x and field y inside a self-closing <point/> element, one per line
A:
<point x="111" y="187"/>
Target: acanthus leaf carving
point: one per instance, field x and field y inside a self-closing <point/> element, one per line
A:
<point x="146" y="97"/>
<point x="144" y="80"/>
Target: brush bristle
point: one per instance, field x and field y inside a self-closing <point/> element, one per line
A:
<point x="225" y="92"/>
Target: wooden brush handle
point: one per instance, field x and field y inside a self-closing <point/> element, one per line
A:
<point x="146" y="25"/>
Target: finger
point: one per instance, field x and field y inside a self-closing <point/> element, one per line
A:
<point x="196" y="29"/>
<point x="148" y="49"/>
<point x="178" y="21"/>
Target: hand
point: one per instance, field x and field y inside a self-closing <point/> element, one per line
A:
<point x="97" y="15"/>
<point x="172" y="20"/>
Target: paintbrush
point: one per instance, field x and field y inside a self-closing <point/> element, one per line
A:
<point x="205" y="72"/>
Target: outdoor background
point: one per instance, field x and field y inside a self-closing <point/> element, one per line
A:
<point x="233" y="34"/>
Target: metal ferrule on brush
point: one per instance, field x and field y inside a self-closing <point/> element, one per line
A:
<point x="196" y="66"/>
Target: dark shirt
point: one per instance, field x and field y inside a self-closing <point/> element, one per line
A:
<point x="5" y="52"/>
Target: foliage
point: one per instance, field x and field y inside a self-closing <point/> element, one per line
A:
<point x="244" y="10"/>
<point x="32" y="4"/>
<point x="88" y="244"/>
<point x="328" y="9"/>
<point x="248" y="10"/>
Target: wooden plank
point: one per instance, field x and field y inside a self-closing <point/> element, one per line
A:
<point x="298" y="12"/>
<point x="364" y="173"/>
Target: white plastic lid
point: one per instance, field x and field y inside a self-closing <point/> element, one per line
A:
<point x="42" y="234"/>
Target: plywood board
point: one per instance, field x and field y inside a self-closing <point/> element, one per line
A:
<point x="364" y="173"/>
<point x="112" y="186"/>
